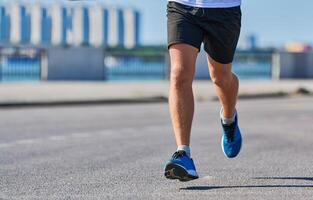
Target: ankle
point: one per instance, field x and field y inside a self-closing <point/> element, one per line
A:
<point x="185" y="148"/>
<point x="227" y="120"/>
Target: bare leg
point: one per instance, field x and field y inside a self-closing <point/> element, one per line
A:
<point x="226" y="85"/>
<point x="181" y="100"/>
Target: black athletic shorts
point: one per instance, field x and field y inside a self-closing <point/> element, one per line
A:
<point x="217" y="28"/>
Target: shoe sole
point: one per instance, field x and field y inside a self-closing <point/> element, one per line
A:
<point x="173" y="171"/>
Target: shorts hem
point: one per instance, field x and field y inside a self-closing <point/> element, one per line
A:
<point x="215" y="58"/>
<point x="183" y="42"/>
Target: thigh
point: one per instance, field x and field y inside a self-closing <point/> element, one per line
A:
<point x="183" y="59"/>
<point x="218" y="69"/>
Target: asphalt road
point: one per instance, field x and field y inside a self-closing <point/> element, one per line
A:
<point x="118" y="152"/>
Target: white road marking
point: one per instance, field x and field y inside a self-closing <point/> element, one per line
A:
<point x="106" y="132"/>
<point x="27" y="141"/>
<point x="80" y="135"/>
<point x="56" y="138"/>
<point x="127" y="130"/>
<point x="207" y="178"/>
<point x="19" y="142"/>
<point x="98" y="133"/>
<point x="5" y="145"/>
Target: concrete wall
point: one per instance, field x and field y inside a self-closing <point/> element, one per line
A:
<point x="285" y="65"/>
<point x="288" y="65"/>
<point x="74" y="64"/>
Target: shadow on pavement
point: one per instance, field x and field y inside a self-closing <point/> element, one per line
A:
<point x="257" y="186"/>
<point x="244" y="186"/>
<point x="285" y="178"/>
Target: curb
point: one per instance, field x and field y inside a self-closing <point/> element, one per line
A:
<point x="158" y="98"/>
<point x="83" y="102"/>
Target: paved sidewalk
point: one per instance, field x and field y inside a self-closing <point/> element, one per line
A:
<point x="112" y="92"/>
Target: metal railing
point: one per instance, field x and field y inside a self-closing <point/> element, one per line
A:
<point x="253" y="65"/>
<point x="126" y="67"/>
<point x="19" y="64"/>
<point x="25" y="64"/>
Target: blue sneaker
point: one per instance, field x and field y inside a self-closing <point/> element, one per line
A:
<point x="180" y="167"/>
<point x="231" y="140"/>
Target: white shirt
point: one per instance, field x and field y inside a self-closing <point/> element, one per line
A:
<point x="210" y="3"/>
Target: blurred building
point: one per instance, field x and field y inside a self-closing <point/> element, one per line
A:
<point x="298" y="47"/>
<point x="68" y="24"/>
<point x="251" y="42"/>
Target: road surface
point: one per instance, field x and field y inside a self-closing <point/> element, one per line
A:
<point x="118" y="152"/>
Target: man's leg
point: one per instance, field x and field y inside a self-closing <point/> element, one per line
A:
<point x="226" y="85"/>
<point x="181" y="104"/>
<point x="181" y="100"/>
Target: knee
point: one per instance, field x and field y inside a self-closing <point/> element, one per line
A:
<point x="181" y="77"/>
<point x="222" y="80"/>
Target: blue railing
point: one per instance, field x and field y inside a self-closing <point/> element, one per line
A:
<point x="20" y="69"/>
<point x="135" y="68"/>
<point x="16" y="68"/>
<point x="253" y="65"/>
<point x="24" y="65"/>
<point x="247" y="65"/>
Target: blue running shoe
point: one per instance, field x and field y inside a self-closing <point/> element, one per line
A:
<point x="180" y="167"/>
<point x="231" y="140"/>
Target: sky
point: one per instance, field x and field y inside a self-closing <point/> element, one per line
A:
<point x="274" y="22"/>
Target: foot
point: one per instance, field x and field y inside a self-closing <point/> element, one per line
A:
<point x="231" y="140"/>
<point x="180" y="167"/>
